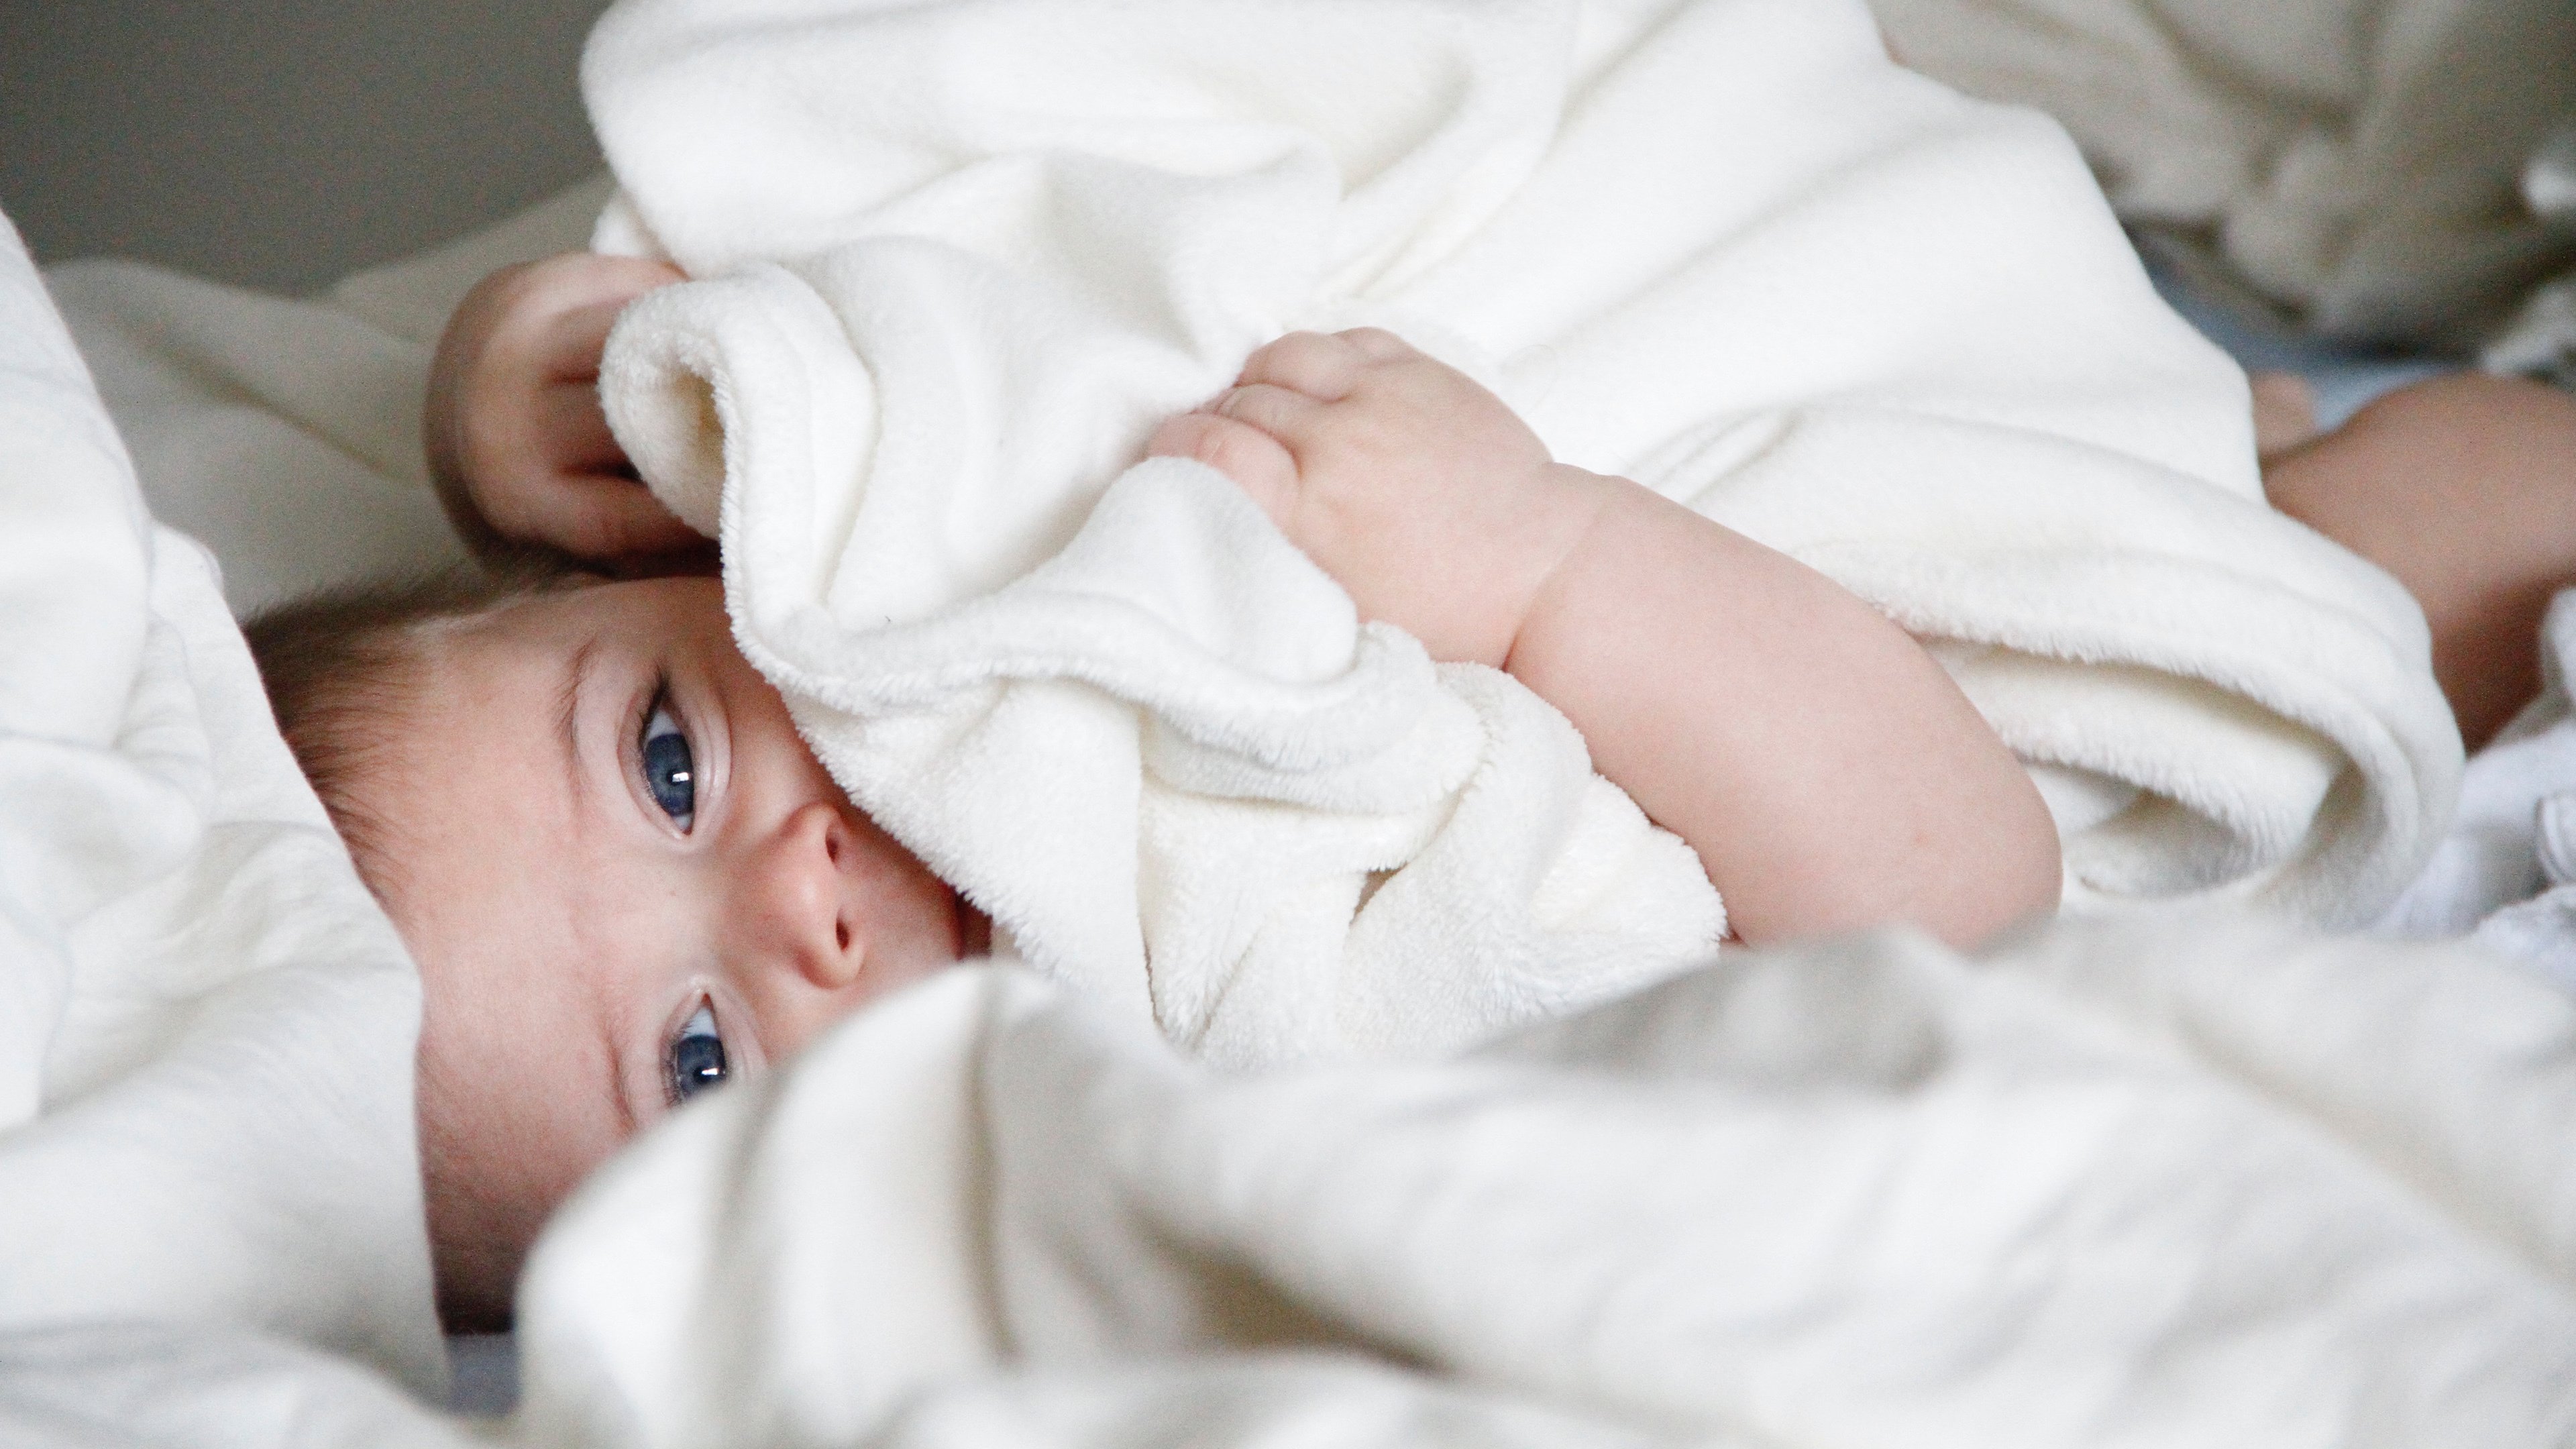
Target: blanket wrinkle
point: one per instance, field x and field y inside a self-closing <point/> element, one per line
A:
<point x="2186" y="1179"/>
<point x="2360" y="167"/>
<point x="284" y="433"/>
<point x="954" y="262"/>
<point x="2503" y="869"/>
<point x="208" y="1121"/>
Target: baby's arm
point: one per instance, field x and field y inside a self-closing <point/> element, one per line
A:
<point x="518" y="446"/>
<point x="1828" y="773"/>
<point x="2464" y="488"/>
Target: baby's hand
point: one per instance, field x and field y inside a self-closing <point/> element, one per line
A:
<point x="517" y="443"/>
<point x="1417" y="490"/>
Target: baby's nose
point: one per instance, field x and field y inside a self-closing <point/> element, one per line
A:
<point x="805" y="900"/>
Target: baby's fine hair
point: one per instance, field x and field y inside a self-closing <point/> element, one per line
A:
<point x="343" y="667"/>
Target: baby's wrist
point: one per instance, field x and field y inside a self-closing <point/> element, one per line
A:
<point x="1567" y="509"/>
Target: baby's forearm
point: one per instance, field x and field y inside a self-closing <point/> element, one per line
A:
<point x="1826" y="770"/>
<point x="1828" y="773"/>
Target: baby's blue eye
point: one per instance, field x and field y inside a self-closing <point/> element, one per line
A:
<point x="695" y="1060"/>
<point x="670" y="769"/>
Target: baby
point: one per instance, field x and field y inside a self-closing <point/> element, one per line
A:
<point x="626" y="878"/>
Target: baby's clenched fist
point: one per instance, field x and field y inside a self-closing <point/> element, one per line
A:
<point x="1417" y="490"/>
<point x="518" y="446"/>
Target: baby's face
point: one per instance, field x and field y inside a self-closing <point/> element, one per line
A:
<point x="626" y="879"/>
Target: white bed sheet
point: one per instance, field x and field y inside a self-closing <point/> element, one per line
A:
<point x="284" y="433"/>
<point x="209" y="1119"/>
<point x="207" y="1375"/>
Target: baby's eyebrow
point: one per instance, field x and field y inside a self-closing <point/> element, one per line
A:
<point x="568" y="715"/>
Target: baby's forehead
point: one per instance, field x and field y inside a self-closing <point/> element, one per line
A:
<point x="511" y="672"/>
<point x="484" y="704"/>
<point x="560" y="623"/>
<point x="499" y="651"/>
<point x="476" y="788"/>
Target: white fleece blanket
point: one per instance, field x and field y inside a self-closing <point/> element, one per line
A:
<point x="205" y="1112"/>
<point x="2160" y="1181"/>
<point x="959" y="258"/>
<point x="2152" y="1182"/>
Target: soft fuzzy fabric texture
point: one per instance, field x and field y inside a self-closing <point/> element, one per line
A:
<point x="2181" y="1181"/>
<point x="958" y="259"/>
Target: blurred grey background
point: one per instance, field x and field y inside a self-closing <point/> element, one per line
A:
<point x="281" y="144"/>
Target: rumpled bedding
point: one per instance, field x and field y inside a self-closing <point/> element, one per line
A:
<point x="2164" y="1180"/>
<point x="2395" y="171"/>
<point x="206" y="1118"/>
<point x="2186" y="1181"/>
<point x="2370" y="170"/>
<point x="284" y="433"/>
<point x="2143" y="1181"/>
<point x="958" y="259"/>
<point x="2505" y="872"/>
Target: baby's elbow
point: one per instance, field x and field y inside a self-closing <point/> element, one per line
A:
<point x="2015" y="874"/>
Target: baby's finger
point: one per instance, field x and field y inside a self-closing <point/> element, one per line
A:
<point x="1309" y="362"/>
<point x="1379" y="345"/>
<point x="597" y="516"/>
<point x="1253" y="459"/>
<point x="575" y="340"/>
<point x="576" y="298"/>
<point x="1284" y="413"/>
<point x="576" y="437"/>
<point x="578" y="279"/>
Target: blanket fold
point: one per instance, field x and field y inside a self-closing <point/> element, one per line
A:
<point x="2191" y="1180"/>
<point x="958" y="260"/>
<point x="2374" y="170"/>
<point x="206" y="1119"/>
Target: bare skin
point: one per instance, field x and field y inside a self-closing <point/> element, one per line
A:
<point x="569" y="928"/>
<point x="612" y="840"/>
<point x="518" y="447"/>
<point x="1651" y="627"/>
<point x="2464" y="488"/>
<point x="1437" y="510"/>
